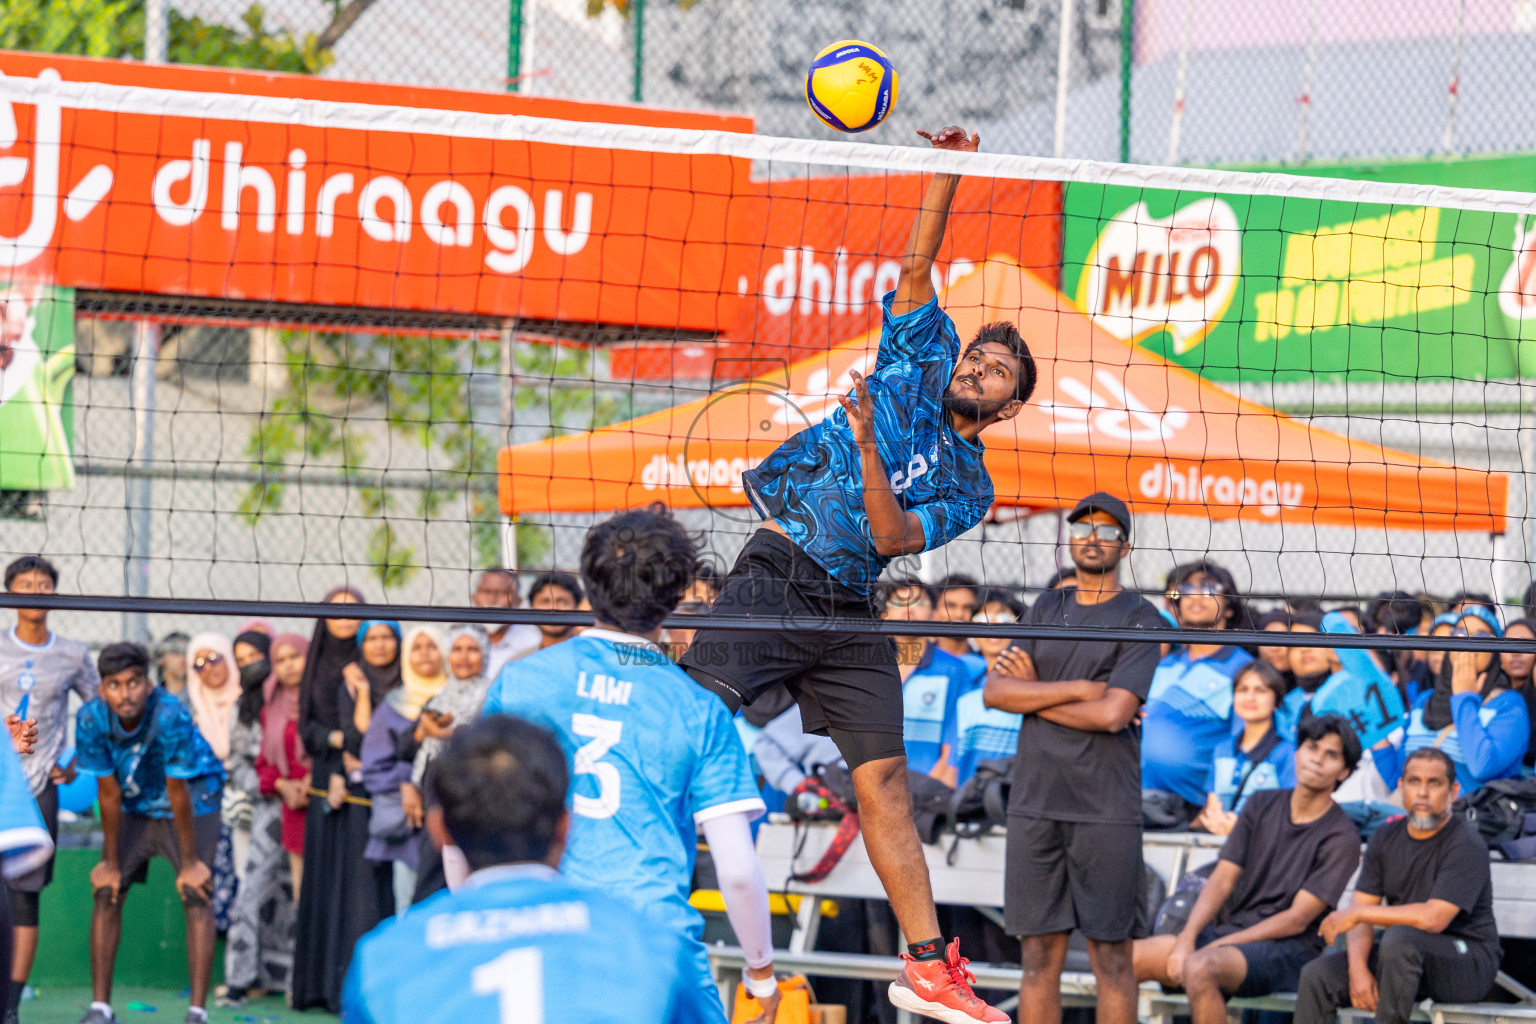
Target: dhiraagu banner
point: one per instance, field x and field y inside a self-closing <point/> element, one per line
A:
<point x="37" y="369"/>
<point x="1260" y="287"/>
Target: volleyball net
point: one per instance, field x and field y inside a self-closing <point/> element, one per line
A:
<point x="266" y="337"/>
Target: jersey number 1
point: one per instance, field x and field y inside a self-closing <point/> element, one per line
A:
<point x="603" y="734"/>
<point x="516" y="979"/>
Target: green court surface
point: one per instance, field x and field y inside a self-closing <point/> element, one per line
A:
<point x="68" y="1005"/>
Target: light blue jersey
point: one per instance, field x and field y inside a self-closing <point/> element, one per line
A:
<point x="653" y="755"/>
<point x="928" y="698"/>
<point x="982" y="733"/>
<point x="519" y="944"/>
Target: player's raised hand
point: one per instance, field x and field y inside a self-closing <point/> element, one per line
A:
<point x="953" y="137"/>
<point x="860" y="410"/>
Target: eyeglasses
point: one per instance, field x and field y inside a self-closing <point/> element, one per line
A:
<point x="909" y="601"/>
<point x="208" y="661"/>
<point x="1210" y="588"/>
<point x="1108" y="532"/>
<point x="995" y="617"/>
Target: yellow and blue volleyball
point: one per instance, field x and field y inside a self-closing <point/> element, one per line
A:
<point x="851" y="86"/>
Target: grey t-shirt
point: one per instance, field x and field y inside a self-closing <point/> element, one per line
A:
<point x="1066" y="774"/>
<point x="48" y="673"/>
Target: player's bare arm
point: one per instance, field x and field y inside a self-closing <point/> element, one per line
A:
<point x="894" y="530"/>
<point x="1015" y="686"/>
<point x="915" y="286"/>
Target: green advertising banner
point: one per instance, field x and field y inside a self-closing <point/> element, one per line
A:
<point x="1239" y="287"/>
<point x="37" y="371"/>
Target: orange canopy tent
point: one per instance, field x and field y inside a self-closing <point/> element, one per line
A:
<point x="1107" y="416"/>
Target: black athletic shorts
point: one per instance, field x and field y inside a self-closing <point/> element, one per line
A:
<point x="1274" y="965"/>
<point x="847" y="684"/>
<point x="1066" y="875"/>
<point x="38" y="878"/>
<point x="141" y="839"/>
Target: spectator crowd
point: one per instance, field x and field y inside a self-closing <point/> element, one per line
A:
<point x="287" y="778"/>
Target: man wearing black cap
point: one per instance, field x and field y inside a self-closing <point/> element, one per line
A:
<point x="1074" y="813"/>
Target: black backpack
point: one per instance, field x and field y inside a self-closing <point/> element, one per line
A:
<point x="982" y="803"/>
<point x="1497" y="809"/>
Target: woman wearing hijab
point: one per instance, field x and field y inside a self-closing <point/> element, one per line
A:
<point x="213" y="689"/>
<point x="258" y="952"/>
<point x="457" y="704"/>
<point x="389" y="752"/>
<point x="1519" y="666"/>
<point x="344" y="895"/>
<point x="1474" y="715"/>
<point x="283" y="765"/>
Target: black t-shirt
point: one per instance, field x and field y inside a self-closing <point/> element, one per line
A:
<point x="1066" y="774"/>
<point x="1451" y="865"/>
<point x="1279" y="858"/>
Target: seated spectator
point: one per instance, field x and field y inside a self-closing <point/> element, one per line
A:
<point x="159" y="786"/>
<point x="931" y="681"/>
<point x="1279" y="657"/>
<point x="1253" y="928"/>
<point x="1518" y="666"/>
<point x="983" y="733"/>
<point x="704" y="587"/>
<point x="559" y="592"/>
<point x="1440" y="625"/>
<point x="1474" y="715"/>
<point x="1426" y="881"/>
<point x="1189" y="708"/>
<point x="956" y="599"/>
<point x="1256" y="759"/>
<point x="1355" y="685"/>
<point x="1398" y="613"/>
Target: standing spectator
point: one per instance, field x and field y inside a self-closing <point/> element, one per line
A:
<point x="1528" y="600"/>
<point x="498" y="589"/>
<point x="258" y="951"/>
<point x="1474" y="717"/>
<point x="455" y="706"/>
<point x="283" y="765"/>
<point x="1518" y="666"/>
<point x="213" y="689"/>
<point x="366" y="682"/>
<point x="158" y="783"/>
<point x="957" y="598"/>
<point x="1074" y="811"/>
<point x="42" y="667"/>
<point x="389" y="755"/>
<point x="1189" y="708"/>
<point x="1278" y="621"/>
<point x="171" y="663"/>
<point x="1287" y="863"/>
<point x="344" y="894"/>
<point x="1426" y="881"/>
<point x="1256" y="759"/>
<point x="1062" y="578"/>
<point x="931" y="682"/>
<point x="555" y="591"/>
<point x="983" y="733"/>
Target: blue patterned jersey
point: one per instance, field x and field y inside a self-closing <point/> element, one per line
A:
<point x="653" y="754"/>
<point x="166" y="744"/>
<point x="928" y="698"/>
<point x="1188" y="712"/>
<point x="813" y="483"/>
<point x="24" y="841"/>
<point x="519" y="943"/>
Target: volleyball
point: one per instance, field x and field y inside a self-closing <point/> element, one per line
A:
<point x="851" y="86"/>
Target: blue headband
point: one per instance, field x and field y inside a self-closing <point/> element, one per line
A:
<point x="1445" y="619"/>
<point x="1484" y="614"/>
<point x="367" y="624"/>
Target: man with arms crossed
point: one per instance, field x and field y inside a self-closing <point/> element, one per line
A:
<point x="1426" y="881"/>
<point x="657" y="761"/>
<point x="1074" y="812"/>
<point x="515" y="942"/>
<point x="897" y="470"/>
<point x="1285" y="865"/>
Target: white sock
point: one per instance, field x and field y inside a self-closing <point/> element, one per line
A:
<point x="199" y="1011"/>
<point x="105" y="1008"/>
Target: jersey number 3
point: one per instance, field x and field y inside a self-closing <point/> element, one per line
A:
<point x="602" y="735"/>
<point x="516" y="979"/>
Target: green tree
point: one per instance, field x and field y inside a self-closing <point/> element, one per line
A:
<point x="115" y="28"/>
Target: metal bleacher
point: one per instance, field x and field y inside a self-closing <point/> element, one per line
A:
<point x="970" y="873"/>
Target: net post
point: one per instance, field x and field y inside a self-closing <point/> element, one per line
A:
<point x="156" y="36"/>
<point x="146" y="357"/>
<point x="515" y="45"/>
<point x="507" y="395"/>
<point x="637" y="12"/>
<point x="1127" y="47"/>
<point x="1063" y="70"/>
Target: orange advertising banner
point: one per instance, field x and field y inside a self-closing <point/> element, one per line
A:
<point x="234" y="185"/>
